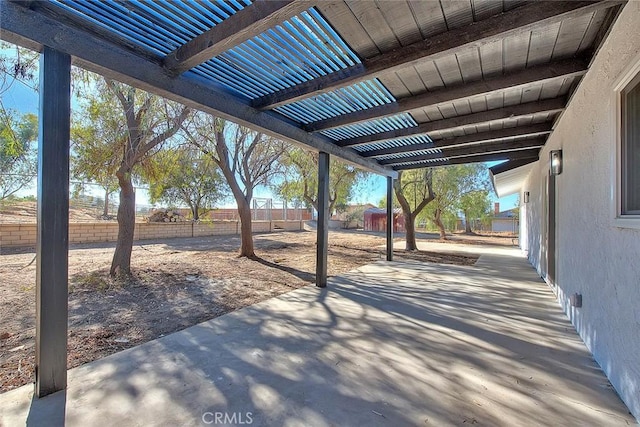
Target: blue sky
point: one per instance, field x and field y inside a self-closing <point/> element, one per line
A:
<point x="22" y="98"/>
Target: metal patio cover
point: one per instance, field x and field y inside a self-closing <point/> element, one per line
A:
<point x="386" y="85"/>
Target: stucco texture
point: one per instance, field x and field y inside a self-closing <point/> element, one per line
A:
<point x="596" y="257"/>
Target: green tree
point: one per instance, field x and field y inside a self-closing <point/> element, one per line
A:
<point x="414" y="191"/>
<point x="150" y="121"/>
<point x="246" y="158"/>
<point x="474" y="205"/>
<point x="301" y="179"/>
<point x="18" y="134"/>
<point x="97" y="130"/>
<point x="188" y="177"/>
<point x="129" y="126"/>
<point x="450" y="183"/>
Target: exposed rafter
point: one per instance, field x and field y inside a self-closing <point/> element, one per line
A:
<point x="549" y="106"/>
<point x="466" y="140"/>
<point x="26" y="27"/>
<point x="99" y="46"/>
<point x="238" y="28"/>
<point x="531" y="155"/>
<point x="529" y="17"/>
<point x="488" y="148"/>
<point x="538" y="74"/>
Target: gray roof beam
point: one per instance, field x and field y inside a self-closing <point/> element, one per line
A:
<point x="489" y="148"/>
<point x="550" y="106"/>
<point x="529" y="17"/>
<point x="531" y="155"/>
<point x="538" y="74"/>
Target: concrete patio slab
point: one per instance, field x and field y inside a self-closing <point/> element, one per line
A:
<point x="389" y="344"/>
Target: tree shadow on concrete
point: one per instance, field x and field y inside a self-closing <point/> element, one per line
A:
<point x="401" y="343"/>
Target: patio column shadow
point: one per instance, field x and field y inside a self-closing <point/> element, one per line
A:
<point x="48" y="411"/>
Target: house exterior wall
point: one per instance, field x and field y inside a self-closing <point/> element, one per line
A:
<point x="596" y="256"/>
<point x="504" y="225"/>
<point x="523" y="231"/>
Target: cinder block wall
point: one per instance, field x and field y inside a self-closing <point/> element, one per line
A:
<point x="24" y="235"/>
<point x="17" y="234"/>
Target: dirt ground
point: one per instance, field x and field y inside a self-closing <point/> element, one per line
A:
<point x="20" y="212"/>
<point x="177" y="283"/>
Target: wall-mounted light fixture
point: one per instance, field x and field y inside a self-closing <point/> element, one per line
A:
<point x="526" y="197"/>
<point x="556" y="162"/>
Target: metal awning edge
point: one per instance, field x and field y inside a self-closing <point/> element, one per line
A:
<point x="507" y="178"/>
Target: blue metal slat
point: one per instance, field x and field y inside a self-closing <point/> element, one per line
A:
<point x="160" y="25"/>
<point x="370" y="127"/>
<point x="314" y="60"/>
<point x="295" y="71"/>
<point x="198" y="22"/>
<point x="297" y="27"/>
<point x="261" y="46"/>
<point x="211" y="12"/>
<point x="283" y="40"/>
<point x="106" y="19"/>
<point x="228" y="72"/>
<point x="172" y="16"/>
<point x="335" y="40"/>
<point x="247" y="66"/>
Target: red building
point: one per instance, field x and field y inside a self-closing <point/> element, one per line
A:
<point x="375" y="219"/>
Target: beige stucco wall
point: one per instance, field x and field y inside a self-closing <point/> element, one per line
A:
<point x="24" y="235"/>
<point x="596" y="256"/>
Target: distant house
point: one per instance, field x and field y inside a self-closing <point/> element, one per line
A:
<point x="505" y="221"/>
<point x="352" y="217"/>
<point x="375" y="219"/>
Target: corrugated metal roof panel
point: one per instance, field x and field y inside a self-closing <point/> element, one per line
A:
<point x="399" y="121"/>
<point x="160" y="26"/>
<point x="357" y="97"/>
<point x="300" y="49"/>
<point x="421" y="163"/>
<point x="411" y="154"/>
<point x="412" y="140"/>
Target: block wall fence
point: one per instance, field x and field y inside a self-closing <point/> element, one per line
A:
<point x="24" y="235"/>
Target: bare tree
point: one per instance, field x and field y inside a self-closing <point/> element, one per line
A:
<point x="246" y="158"/>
